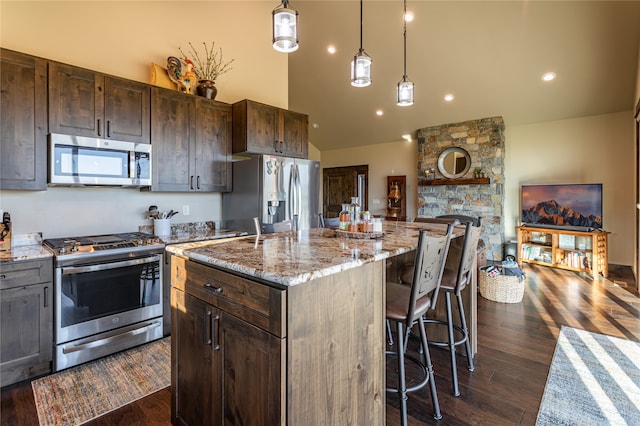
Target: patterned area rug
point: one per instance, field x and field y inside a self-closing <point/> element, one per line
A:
<point x="593" y="380"/>
<point x="79" y="394"/>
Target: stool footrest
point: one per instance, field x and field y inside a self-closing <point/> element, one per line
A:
<point x="423" y="369"/>
<point x="457" y="328"/>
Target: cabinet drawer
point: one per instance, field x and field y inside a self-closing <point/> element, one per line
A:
<point x="17" y="274"/>
<point x="254" y="302"/>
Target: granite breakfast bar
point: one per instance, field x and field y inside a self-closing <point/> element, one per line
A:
<point x="284" y="328"/>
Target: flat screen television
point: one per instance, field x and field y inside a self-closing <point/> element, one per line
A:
<point x="570" y="206"/>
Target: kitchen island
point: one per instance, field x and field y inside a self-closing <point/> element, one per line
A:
<point x="284" y="328"/>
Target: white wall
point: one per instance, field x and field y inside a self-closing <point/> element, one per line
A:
<point x="583" y="150"/>
<point x="123" y="38"/>
<point x="66" y="212"/>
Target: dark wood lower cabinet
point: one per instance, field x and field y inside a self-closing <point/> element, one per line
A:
<point x="252" y="373"/>
<point x="194" y="381"/>
<point x="26" y="325"/>
<point x="225" y="370"/>
<point x="247" y="353"/>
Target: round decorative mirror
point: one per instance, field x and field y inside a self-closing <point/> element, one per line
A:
<point x="454" y="162"/>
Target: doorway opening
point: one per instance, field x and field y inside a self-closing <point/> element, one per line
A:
<point x="339" y="184"/>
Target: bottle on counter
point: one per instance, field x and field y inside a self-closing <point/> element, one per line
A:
<point x="377" y="224"/>
<point x="355" y="214"/>
<point x="345" y="218"/>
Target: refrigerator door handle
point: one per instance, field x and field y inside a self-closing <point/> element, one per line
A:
<point x="295" y="195"/>
<point x="290" y="196"/>
<point x="298" y="199"/>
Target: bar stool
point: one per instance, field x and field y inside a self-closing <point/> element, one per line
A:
<point x="453" y="282"/>
<point x="406" y="305"/>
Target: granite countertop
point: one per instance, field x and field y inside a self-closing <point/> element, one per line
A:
<point x="291" y="258"/>
<point x="179" y="237"/>
<point x="25" y="247"/>
<point x="193" y="231"/>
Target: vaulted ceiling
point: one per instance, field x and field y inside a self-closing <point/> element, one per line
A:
<point x="489" y="54"/>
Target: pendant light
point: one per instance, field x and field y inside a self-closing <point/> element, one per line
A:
<point x="361" y="64"/>
<point x="285" y="28"/>
<point x="405" y="86"/>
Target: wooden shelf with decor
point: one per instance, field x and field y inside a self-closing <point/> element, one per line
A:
<point x="471" y="181"/>
<point x="396" y="198"/>
<point x="580" y="251"/>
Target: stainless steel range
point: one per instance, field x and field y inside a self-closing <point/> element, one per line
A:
<point x="108" y="294"/>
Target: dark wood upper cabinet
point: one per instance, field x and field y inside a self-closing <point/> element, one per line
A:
<point x="173" y="136"/>
<point x="86" y="103"/>
<point x="265" y="129"/>
<point x="126" y="110"/>
<point x="23" y="120"/>
<point x="213" y="146"/>
<point x="295" y="134"/>
<point x="191" y="140"/>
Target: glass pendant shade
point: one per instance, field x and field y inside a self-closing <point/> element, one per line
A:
<point x="285" y="28"/>
<point x="361" y="69"/>
<point x="405" y="92"/>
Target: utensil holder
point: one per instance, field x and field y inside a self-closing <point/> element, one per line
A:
<point x="162" y="227"/>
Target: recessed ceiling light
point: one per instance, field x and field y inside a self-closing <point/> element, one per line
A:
<point x="448" y="97"/>
<point x="548" y="76"/>
<point x="409" y="16"/>
<point x="406" y="137"/>
<point x="315" y="125"/>
<point x="379" y="112"/>
<point x="331" y="49"/>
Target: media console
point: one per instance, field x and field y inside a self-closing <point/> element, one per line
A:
<point x="581" y="251"/>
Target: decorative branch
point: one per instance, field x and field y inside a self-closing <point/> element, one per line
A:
<point x="212" y="66"/>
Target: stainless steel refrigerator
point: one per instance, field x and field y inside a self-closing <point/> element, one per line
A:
<point x="275" y="190"/>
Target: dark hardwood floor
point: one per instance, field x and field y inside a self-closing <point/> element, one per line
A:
<point x="515" y="347"/>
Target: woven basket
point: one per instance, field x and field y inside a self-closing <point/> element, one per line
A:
<point x="501" y="288"/>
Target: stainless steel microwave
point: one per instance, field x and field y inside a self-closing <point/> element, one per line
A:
<point x="77" y="160"/>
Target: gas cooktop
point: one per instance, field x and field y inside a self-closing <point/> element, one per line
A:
<point x="113" y="244"/>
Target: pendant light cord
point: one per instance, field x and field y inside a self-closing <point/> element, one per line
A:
<point x="360" y="25"/>
<point x="404" y="21"/>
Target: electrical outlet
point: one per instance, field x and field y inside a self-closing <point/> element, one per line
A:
<point x="185" y="210"/>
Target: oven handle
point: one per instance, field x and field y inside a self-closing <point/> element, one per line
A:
<point x="107" y="340"/>
<point x="114" y="265"/>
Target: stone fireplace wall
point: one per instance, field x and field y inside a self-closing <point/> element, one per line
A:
<point x="483" y="139"/>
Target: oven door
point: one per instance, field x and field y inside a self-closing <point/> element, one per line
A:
<point x="96" y="298"/>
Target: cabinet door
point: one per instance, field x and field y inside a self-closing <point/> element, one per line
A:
<point x="26" y="332"/>
<point x="213" y="146"/>
<point x="255" y="128"/>
<point x="126" y="110"/>
<point x="173" y="133"/>
<point x="253" y="374"/>
<point x="76" y="102"/>
<point x="195" y="373"/>
<point x="23" y="120"/>
<point x="295" y="134"/>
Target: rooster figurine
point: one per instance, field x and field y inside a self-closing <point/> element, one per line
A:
<point x="181" y="73"/>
